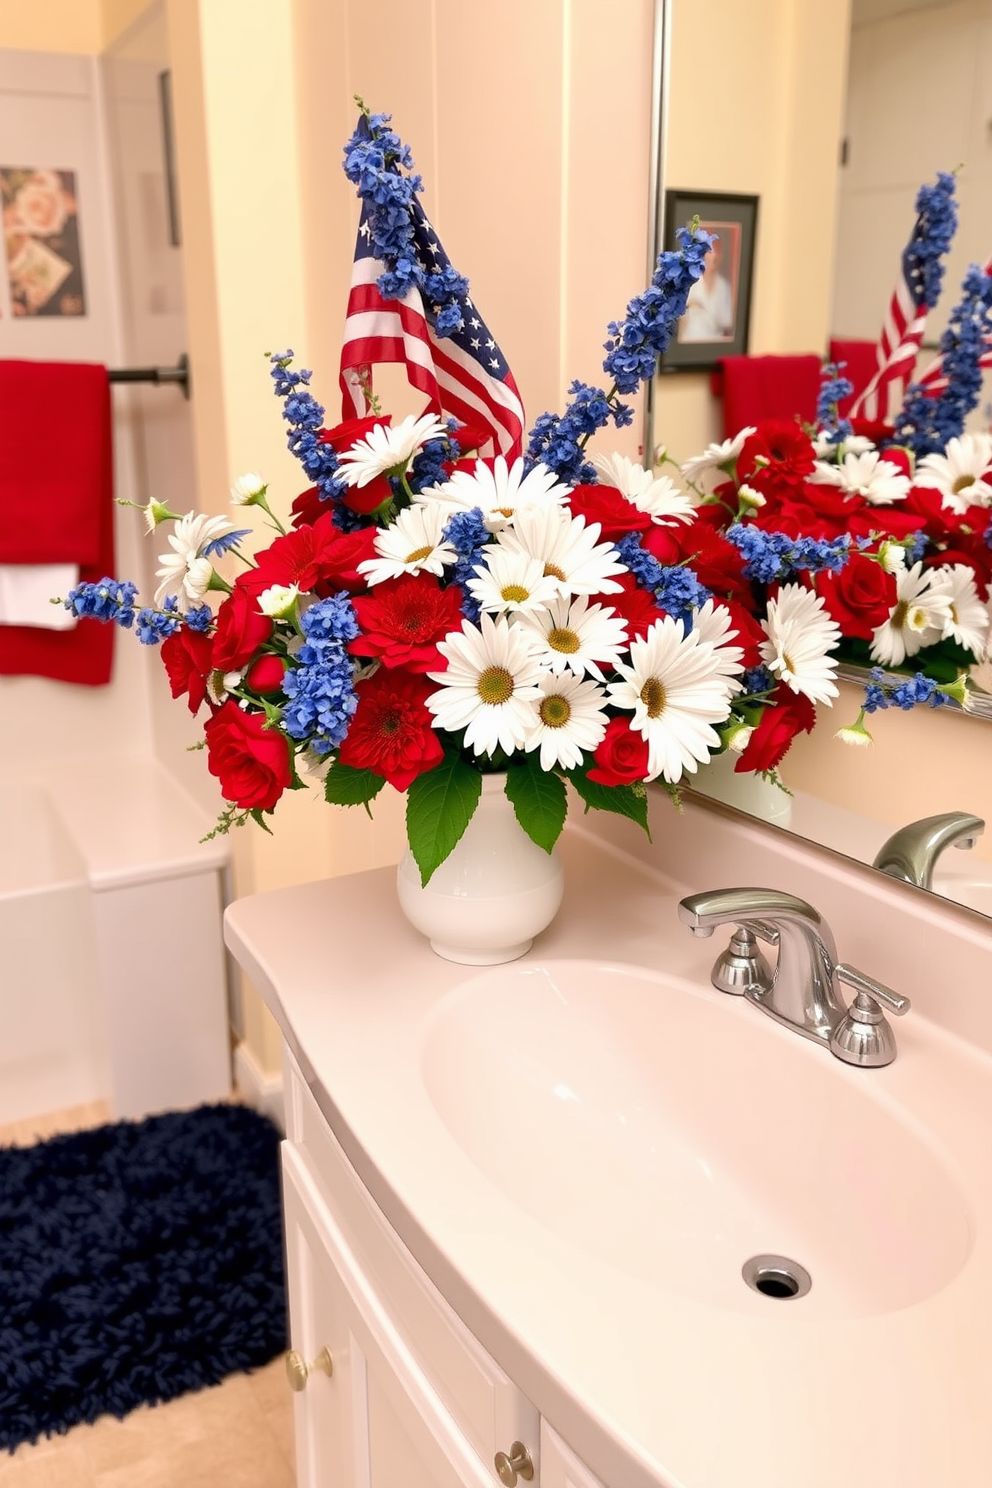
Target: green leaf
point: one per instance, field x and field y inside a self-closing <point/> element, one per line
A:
<point x="439" y="806"/>
<point x="346" y="786"/>
<point x="540" y="801"/>
<point x="624" y="800"/>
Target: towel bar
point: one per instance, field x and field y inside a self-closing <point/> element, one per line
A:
<point x="179" y="374"/>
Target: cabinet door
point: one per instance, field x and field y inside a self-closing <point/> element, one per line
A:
<point x="560" y="1468"/>
<point x="377" y="1422"/>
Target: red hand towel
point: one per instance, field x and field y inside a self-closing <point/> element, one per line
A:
<point x="861" y="364"/>
<point x="85" y="654"/>
<point x="56" y="464"/>
<point x="763" y="387"/>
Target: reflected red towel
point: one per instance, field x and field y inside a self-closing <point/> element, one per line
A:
<point x="762" y="387"/>
<point x="56" y="463"/>
<point x="861" y="358"/>
<point x="68" y="481"/>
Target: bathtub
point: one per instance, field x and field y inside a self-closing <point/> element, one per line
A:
<point x="53" y="1045"/>
<point x="113" y="974"/>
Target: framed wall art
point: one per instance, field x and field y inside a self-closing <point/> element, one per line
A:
<point x="718" y="313"/>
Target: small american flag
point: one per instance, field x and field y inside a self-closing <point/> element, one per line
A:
<point x="933" y="378"/>
<point x="896" y="353"/>
<point x="464" y="375"/>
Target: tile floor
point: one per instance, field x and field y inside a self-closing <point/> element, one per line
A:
<point x="237" y="1435"/>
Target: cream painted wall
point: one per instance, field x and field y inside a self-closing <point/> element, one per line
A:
<point x="52" y="25"/>
<point x="756" y="106"/>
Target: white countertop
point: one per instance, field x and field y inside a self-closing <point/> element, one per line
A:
<point x="648" y="1386"/>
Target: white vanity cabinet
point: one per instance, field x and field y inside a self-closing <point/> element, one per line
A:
<point x="411" y="1398"/>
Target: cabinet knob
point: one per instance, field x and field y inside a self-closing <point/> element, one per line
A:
<point x="517" y="1465"/>
<point x="298" y="1370"/>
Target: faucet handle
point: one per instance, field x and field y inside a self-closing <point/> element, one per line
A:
<point x="863" y="1037"/>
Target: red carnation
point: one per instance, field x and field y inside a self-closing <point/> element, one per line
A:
<point x="787" y="714"/>
<point x="242" y="629"/>
<point x="716" y="562"/>
<point x="319" y="559"/>
<point x="187" y="657"/>
<point x="860" y="597"/>
<point x="621" y="755"/>
<point x="250" y="761"/>
<point x="634" y="605"/>
<point x="402" y="621"/>
<point x="392" y="732"/>
<point x="787" y="451"/>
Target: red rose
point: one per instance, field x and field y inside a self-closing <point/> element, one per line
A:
<point x="241" y="629"/>
<point x="716" y="562"/>
<point x="343" y="436"/>
<point x="392" y="732"/>
<point x="187" y="657"/>
<point x="860" y="597"/>
<point x="610" y="508"/>
<point x="307" y="507"/>
<point x="621" y="755"/>
<point x="266" y="674"/>
<point x="250" y="761"/>
<point x="365" y="499"/>
<point x="749" y="634"/>
<point x="787" y="714"/>
<point x="470" y="437"/>
<point x="403" y="619"/>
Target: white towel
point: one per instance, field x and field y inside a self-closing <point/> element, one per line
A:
<point x="26" y="591"/>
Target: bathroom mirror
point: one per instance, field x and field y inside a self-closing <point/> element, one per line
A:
<point x="900" y="53"/>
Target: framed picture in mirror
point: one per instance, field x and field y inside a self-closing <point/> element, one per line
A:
<point x="717" y="317"/>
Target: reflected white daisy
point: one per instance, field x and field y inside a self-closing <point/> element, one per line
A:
<point x="413" y="543"/>
<point x="567" y="549"/>
<point x="488" y="686"/>
<point x="854" y="444"/>
<point x="385" y="449"/>
<point x="961" y="473"/>
<point x="507" y="582"/>
<point x="877" y="480"/>
<point x="567" y="719"/>
<point x="573" y="635"/>
<point x="498" y="491"/>
<point x="917" y="619"/>
<point x="717" y="461"/>
<point x="968" y="621"/>
<point x="656" y="495"/>
<point x="676" y="692"/>
<point x="801" y="636"/>
<point x="185" y="573"/>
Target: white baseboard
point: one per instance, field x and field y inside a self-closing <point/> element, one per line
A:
<point x="257" y="1088"/>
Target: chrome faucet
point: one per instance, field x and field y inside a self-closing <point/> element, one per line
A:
<point x="803" y="992"/>
<point x="910" y="853"/>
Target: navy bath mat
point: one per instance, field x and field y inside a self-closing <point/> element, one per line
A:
<point x="137" y="1261"/>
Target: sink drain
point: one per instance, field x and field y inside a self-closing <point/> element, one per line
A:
<point x="776" y="1276"/>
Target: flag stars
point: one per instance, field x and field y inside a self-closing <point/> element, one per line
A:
<point x="494" y="363"/>
<point x="475" y="322"/>
<point x="433" y="249"/>
<point x="365" y="231"/>
<point x="475" y="343"/>
<point x="491" y="344"/>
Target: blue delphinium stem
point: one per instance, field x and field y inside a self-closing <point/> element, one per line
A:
<point x="773" y="557"/>
<point x="933" y="232"/>
<point x="925" y="424"/>
<point x="833" y="390"/>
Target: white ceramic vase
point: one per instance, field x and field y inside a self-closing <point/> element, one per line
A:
<point x="748" y="792"/>
<point x="495" y="891"/>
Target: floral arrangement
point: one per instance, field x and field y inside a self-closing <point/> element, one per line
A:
<point x="558" y="615"/>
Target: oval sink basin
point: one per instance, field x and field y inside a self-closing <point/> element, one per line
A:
<point x="674" y="1133"/>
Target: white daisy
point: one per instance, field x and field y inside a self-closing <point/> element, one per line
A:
<point x="716" y="460"/>
<point x="489" y="684"/>
<point x="248" y="490"/>
<point x="917" y="619"/>
<point x="854" y="444"/>
<point x="567" y="549"/>
<point x="879" y="481"/>
<point x="413" y="543"/>
<point x="801" y="636"/>
<point x="568" y="718"/>
<point x="657" y="495"/>
<point x="507" y="582"/>
<point x="573" y="635"/>
<point x="384" y="449"/>
<point x="968" y="621"/>
<point x="961" y="474"/>
<point x="675" y="690"/>
<point x="185" y="573"/>
<point x="499" y="491"/>
<point x="713" y="625"/>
